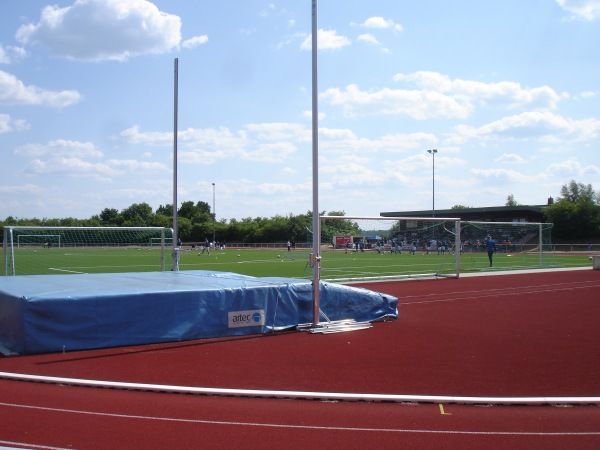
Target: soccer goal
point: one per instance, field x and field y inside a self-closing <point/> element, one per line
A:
<point x="62" y="250"/>
<point x="519" y="246"/>
<point x="365" y="248"/>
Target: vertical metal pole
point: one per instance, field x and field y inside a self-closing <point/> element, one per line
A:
<point x="457" y="244"/>
<point x="4" y="254"/>
<point x="214" y="214"/>
<point x="175" y="266"/>
<point x="316" y="224"/>
<point x="162" y="250"/>
<point x="432" y="153"/>
<point x="433" y="186"/>
<point x="541" y="244"/>
<point x="12" y="252"/>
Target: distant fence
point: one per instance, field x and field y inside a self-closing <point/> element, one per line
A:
<point x="307" y="245"/>
<point x="576" y="247"/>
<point x="254" y="245"/>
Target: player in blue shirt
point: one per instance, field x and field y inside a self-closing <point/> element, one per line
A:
<point x="491" y="248"/>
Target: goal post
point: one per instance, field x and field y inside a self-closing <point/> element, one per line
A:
<point x="33" y="250"/>
<point x="366" y="248"/>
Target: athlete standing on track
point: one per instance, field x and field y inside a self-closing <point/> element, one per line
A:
<point x="491" y="248"/>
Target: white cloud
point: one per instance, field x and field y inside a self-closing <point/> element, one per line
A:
<point x="419" y="104"/>
<point x="77" y="159"/>
<point x="543" y="126"/>
<point x="326" y="40"/>
<point x="344" y="141"/>
<point x="8" y="124"/>
<point x="571" y="168"/>
<point x="97" y="30"/>
<point x="23" y="189"/>
<point x="503" y="175"/>
<point x="135" y="165"/>
<point x="71" y="167"/>
<point x="582" y="9"/>
<point x="279" y="131"/>
<point x="14" y="92"/>
<point x="134" y="135"/>
<point x="369" y="38"/>
<point x="266" y="142"/>
<point x="438" y="96"/>
<point x="195" y="41"/>
<point x="60" y="148"/>
<point x="505" y="93"/>
<point x="273" y="152"/>
<point x="11" y="54"/>
<point x="510" y="158"/>
<point x="381" y="23"/>
<point x="350" y="170"/>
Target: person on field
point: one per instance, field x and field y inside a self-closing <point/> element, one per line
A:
<point x="206" y="247"/>
<point x="491" y="248"/>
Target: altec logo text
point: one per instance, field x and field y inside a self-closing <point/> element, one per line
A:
<point x="254" y="318"/>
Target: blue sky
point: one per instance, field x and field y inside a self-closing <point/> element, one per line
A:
<point x="506" y="91"/>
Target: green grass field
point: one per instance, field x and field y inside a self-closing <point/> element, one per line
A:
<point x="280" y="263"/>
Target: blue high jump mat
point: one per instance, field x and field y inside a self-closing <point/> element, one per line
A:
<point x="54" y="313"/>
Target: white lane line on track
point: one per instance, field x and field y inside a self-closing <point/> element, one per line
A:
<point x="309" y="427"/>
<point x="578" y="284"/>
<point x="494" y="293"/>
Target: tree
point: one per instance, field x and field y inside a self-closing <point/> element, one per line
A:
<point x="331" y="228"/>
<point x="166" y="210"/>
<point x="576" y="213"/>
<point x="510" y="201"/>
<point x="137" y="215"/>
<point x="578" y="193"/>
<point x="110" y="217"/>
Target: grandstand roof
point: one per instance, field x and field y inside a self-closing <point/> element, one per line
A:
<point x="528" y="213"/>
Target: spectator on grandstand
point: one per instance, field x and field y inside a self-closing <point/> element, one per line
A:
<point x="491" y="248"/>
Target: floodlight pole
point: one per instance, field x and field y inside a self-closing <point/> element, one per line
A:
<point x="316" y="225"/>
<point x="175" y="266"/>
<point x="214" y="214"/>
<point x="432" y="153"/>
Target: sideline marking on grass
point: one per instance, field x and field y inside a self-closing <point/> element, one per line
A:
<point x="65" y="270"/>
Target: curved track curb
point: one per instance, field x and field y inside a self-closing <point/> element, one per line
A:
<point x="304" y="395"/>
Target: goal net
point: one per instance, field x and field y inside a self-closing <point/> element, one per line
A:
<point x="360" y="248"/>
<point x="61" y="250"/>
<point x="365" y="248"/>
<point x="519" y="246"/>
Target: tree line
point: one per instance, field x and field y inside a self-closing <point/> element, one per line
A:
<point x="196" y="222"/>
<point x="575" y="214"/>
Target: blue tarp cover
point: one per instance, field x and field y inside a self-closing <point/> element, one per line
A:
<point x="49" y="313"/>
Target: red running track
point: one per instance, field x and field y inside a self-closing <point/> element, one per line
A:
<point x="510" y="335"/>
